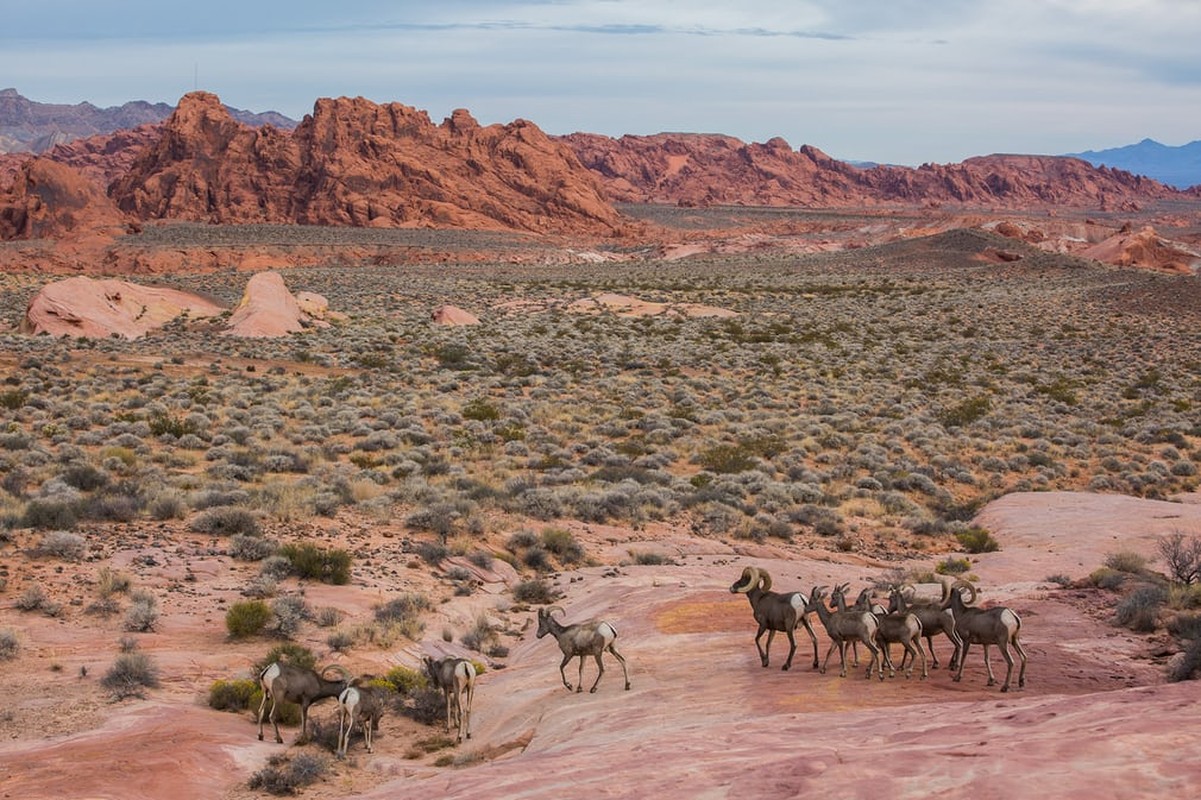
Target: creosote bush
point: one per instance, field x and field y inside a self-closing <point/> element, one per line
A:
<point x="977" y="540"/>
<point x="10" y="645"/>
<point x="310" y="562"/>
<point x="535" y="591"/>
<point x="286" y="775"/>
<point x="226" y="521"/>
<point x="247" y="618"/>
<point x="1139" y="610"/>
<point x="130" y="674"/>
<point x="232" y="695"/>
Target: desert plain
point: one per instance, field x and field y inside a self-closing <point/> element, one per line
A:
<point x="481" y="423"/>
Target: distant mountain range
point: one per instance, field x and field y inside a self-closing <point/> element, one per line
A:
<point x="27" y="126"/>
<point x="1175" y="166"/>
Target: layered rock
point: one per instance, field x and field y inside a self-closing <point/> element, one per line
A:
<point x="453" y="316"/>
<point x="50" y="200"/>
<point x="353" y="162"/>
<point x="97" y="309"/>
<point x="707" y="169"/>
<point x="1145" y="248"/>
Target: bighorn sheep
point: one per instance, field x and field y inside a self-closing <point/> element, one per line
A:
<point x="843" y="627"/>
<point x="288" y="683"/>
<point x="591" y="638"/>
<point x="362" y="704"/>
<point x="935" y="617"/>
<point x="774" y="611"/>
<point x="455" y="677"/>
<point x="998" y="626"/>
<point x="902" y="627"/>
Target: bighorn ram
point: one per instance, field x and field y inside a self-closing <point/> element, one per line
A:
<point x="843" y="627"/>
<point x="456" y="678"/>
<point x="288" y="683"/>
<point x="902" y="627"/>
<point x="359" y="704"/>
<point x="998" y="626"/>
<point x="774" y="611"/>
<point x="935" y="617"/>
<point x="591" y="638"/>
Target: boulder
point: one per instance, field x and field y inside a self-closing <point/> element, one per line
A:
<point x="267" y="309"/>
<point x="453" y="316"/>
<point x="97" y="309"/>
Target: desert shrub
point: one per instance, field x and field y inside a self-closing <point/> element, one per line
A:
<point x="312" y="563"/>
<point x="247" y="618"/>
<point x="481" y="559"/>
<point x="290" y="612"/>
<point x="647" y="558"/>
<point x="563" y="544"/>
<point x="62" y="544"/>
<point x="328" y="616"/>
<point x="965" y="413"/>
<point x="275" y="567"/>
<point x="405" y="680"/>
<point x="260" y="587"/>
<point x="1126" y="561"/>
<point x="977" y="540"/>
<point x="1059" y="579"/>
<point x="480" y="634"/>
<point x="142" y="614"/>
<point x="405" y="609"/>
<point x="130" y="674"/>
<point x="432" y="553"/>
<point x="533" y="591"/>
<point x="1107" y="578"/>
<point x="51" y="513"/>
<point x="286" y="776"/>
<point x="226" y="521"/>
<point x="84" y="477"/>
<point x="340" y="641"/>
<point x="480" y="409"/>
<point x="953" y="566"/>
<point x="251" y="548"/>
<point x="439" y="518"/>
<point x="1139" y="610"/>
<point x="426" y="705"/>
<point x="10" y="646"/>
<point x="290" y="652"/>
<point x="232" y="695"/>
<point x="167" y="505"/>
<point x="537" y="558"/>
<point x="1182" y="557"/>
<point x="726" y="459"/>
<point x="12" y="399"/>
<point x="33" y="598"/>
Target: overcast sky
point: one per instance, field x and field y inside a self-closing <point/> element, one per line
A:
<point x="900" y="81"/>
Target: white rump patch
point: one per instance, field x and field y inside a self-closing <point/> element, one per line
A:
<point x="607" y="631"/>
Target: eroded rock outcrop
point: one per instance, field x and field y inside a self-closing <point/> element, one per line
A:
<point x="82" y="306"/>
<point x="47" y="199"/>
<point x="268" y="309"/>
<point x="453" y="316"/>
<point x="626" y="306"/>
<point x="1145" y="248"/>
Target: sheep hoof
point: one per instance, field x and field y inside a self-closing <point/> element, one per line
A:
<point x="785" y="667"/>
<point x="1005" y="688"/>
<point x="592" y="690"/>
<point x="260" y="737"/>
<point x="627" y="687"/>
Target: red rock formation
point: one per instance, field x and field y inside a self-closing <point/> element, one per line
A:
<point x="97" y="309"/>
<point x="353" y="162"/>
<point x="1145" y="248"/>
<point x="268" y="309"/>
<point x="703" y="169"/>
<point x="47" y="199"/>
<point x="453" y="316"/>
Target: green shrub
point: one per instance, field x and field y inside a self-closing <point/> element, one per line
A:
<point x="726" y="459"/>
<point x="977" y="540"/>
<point x="563" y="544"/>
<point x="9" y="645"/>
<point x="232" y="695"/>
<point x="50" y="513"/>
<point x="1106" y="578"/>
<point x="953" y="566"/>
<point x="290" y="652"/>
<point x="142" y="614"/>
<point x="1189" y="665"/>
<point x="405" y="680"/>
<point x="965" y="413"/>
<point x="312" y="563"/>
<point x="481" y="409"/>
<point x="1126" y="561"/>
<point x="247" y="618"/>
<point x="1139" y="610"/>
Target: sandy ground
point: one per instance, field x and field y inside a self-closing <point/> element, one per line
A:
<point x="702" y="720"/>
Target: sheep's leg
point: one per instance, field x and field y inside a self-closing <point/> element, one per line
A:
<point x="621" y="660"/>
<point x="812" y="636"/>
<point x="934" y="655"/>
<point x="579" y="685"/>
<point x="343" y="738"/>
<point x="886" y="649"/>
<point x="830" y="651"/>
<point x="791" y="649"/>
<point x="842" y="658"/>
<point x="764" y="651"/>
<point x="1004" y="648"/>
<point x="1017" y="645"/>
<point x="368" y="737"/>
<point x="600" y="670"/>
<point x="467" y="712"/>
<point x="961" y="659"/>
<point x="876" y="661"/>
<point x="304" y="723"/>
<point x="562" y="674"/>
<point x="992" y="681"/>
<point x="446" y="693"/>
<point x="854" y="653"/>
<point x="262" y="707"/>
<point x="916" y="645"/>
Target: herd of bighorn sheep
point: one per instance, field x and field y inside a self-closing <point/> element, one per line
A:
<point x="906" y="621"/>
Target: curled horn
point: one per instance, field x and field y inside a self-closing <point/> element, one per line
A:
<point x="910" y="594"/>
<point x="962" y="584"/>
<point x="346" y="676"/>
<point x="765" y="578"/>
<point x="749" y="580"/>
<point x="946" y="589"/>
<point x="552" y="609"/>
